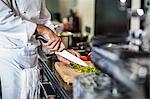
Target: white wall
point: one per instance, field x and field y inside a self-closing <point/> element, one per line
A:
<point x="86" y="10"/>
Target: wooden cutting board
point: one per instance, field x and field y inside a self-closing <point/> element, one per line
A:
<point x="67" y="73"/>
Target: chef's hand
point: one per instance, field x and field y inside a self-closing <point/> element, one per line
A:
<point x="54" y="42"/>
<point x="65" y="60"/>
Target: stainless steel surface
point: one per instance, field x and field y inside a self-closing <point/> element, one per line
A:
<point x="127" y="70"/>
<point x="93" y="86"/>
<point x="51" y="77"/>
<point x="49" y="74"/>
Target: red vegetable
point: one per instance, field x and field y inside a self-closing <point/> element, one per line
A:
<point x="84" y="58"/>
<point x="89" y="56"/>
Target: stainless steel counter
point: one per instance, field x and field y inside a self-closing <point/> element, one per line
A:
<point x="49" y="74"/>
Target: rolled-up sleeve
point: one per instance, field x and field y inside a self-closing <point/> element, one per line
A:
<point x="11" y="23"/>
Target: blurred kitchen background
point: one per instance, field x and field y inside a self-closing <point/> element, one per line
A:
<point x="74" y="16"/>
<point x="114" y="35"/>
<point x="80" y="20"/>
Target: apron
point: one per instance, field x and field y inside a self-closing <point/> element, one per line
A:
<point x="18" y="55"/>
<point x="19" y="71"/>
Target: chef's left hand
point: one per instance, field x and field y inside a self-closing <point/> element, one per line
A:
<point x="65" y="60"/>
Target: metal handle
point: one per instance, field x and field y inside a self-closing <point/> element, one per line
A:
<point x="41" y="38"/>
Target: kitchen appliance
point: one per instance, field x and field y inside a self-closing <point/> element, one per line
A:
<point x="110" y="19"/>
<point x="118" y="81"/>
<point x="125" y="74"/>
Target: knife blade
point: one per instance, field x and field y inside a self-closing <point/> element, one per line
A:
<point x="71" y="57"/>
<point x="65" y="54"/>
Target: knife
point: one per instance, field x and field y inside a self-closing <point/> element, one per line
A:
<point x="64" y="53"/>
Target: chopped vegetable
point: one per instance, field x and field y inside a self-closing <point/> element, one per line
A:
<point x="84" y="58"/>
<point x="83" y="69"/>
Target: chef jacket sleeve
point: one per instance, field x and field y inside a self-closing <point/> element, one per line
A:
<point x="45" y="16"/>
<point x="11" y="23"/>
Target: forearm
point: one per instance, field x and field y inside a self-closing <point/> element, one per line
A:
<point x="42" y="30"/>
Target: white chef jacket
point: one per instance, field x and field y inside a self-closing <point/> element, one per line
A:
<point x="21" y="23"/>
<point x="18" y="56"/>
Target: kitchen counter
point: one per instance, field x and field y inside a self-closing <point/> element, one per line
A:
<point x="67" y="87"/>
<point x="62" y="89"/>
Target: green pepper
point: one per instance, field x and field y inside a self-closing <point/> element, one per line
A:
<point x="94" y="70"/>
<point x="75" y="66"/>
<point x="83" y="69"/>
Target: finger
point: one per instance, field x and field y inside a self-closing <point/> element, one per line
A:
<point x="51" y="39"/>
<point x="62" y="47"/>
<point x="48" y="43"/>
<point x="63" y="59"/>
<point x="55" y="45"/>
<point x="77" y="54"/>
<point x="74" y="52"/>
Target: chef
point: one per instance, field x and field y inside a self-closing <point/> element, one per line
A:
<point x="20" y="22"/>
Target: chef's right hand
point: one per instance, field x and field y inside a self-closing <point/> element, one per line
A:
<point x="54" y="42"/>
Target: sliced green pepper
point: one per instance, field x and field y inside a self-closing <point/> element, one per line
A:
<point x="83" y="69"/>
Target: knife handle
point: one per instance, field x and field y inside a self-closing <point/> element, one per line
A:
<point x="41" y="38"/>
<point x="44" y="40"/>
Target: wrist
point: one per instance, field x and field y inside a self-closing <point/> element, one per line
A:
<point x="41" y="29"/>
